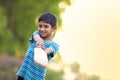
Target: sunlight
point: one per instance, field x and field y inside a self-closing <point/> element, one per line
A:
<point x="68" y="74"/>
<point x="92" y="37"/>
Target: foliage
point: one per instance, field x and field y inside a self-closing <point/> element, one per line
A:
<point x="17" y="21"/>
<point x="53" y="75"/>
<point x="93" y="77"/>
<point x="8" y="67"/>
<point x="75" y="67"/>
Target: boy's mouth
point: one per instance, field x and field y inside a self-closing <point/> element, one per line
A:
<point x="43" y="33"/>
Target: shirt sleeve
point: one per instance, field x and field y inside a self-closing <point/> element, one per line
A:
<point x="55" y="48"/>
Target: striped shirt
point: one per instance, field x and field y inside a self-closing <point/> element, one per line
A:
<point x="31" y="71"/>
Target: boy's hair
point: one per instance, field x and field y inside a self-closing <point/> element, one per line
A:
<point x="48" y="18"/>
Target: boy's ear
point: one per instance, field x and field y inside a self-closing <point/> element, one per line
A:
<point x="55" y="28"/>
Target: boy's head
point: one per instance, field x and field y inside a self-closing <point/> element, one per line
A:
<point x="48" y="18"/>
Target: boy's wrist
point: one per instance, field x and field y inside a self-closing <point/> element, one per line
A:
<point x="49" y="50"/>
<point x="39" y="44"/>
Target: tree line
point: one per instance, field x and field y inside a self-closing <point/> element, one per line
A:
<point x="17" y="21"/>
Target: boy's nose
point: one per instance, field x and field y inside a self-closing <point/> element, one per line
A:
<point x="42" y="29"/>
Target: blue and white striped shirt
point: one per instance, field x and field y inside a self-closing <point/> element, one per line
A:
<point x="31" y="71"/>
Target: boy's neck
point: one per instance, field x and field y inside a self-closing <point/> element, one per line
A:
<point x="47" y="39"/>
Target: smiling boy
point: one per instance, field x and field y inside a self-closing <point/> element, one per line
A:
<point x="42" y="38"/>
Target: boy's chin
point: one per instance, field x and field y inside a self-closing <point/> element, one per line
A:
<point x="43" y="36"/>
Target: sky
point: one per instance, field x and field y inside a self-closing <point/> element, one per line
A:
<point x="91" y="36"/>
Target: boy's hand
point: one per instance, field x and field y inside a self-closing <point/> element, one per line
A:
<point x="49" y="50"/>
<point x="38" y="40"/>
<point x="39" y="44"/>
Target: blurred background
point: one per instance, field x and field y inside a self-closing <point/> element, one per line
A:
<point x="88" y="34"/>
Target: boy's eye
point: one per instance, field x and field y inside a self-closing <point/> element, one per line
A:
<point x="40" y="26"/>
<point x="45" y="26"/>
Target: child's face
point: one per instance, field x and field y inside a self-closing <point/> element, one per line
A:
<point x="45" y="29"/>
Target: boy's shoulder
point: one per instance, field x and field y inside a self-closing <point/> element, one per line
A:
<point x="36" y="32"/>
<point x="55" y="44"/>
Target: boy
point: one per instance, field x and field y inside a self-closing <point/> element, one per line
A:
<point x="42" y="39"/>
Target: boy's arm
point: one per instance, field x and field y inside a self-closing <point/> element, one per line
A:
<point x="49" y="50"/>
<point x="38" y="40"/>
<point x="52" y="50"/>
